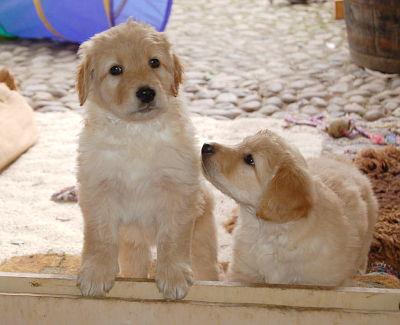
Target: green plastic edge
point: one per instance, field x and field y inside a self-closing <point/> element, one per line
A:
<point x="4" y="34"/>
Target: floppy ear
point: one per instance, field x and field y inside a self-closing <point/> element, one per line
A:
<point x="288" y="196"/>
<point x="178" y="75"/>
<point x="83" y="79"/>
<point x="7" y="78"/>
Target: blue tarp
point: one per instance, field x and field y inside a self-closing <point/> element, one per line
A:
<point x="76" y="20"/>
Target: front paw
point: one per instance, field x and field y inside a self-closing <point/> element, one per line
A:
<point x="174" y="280"/>
<point x="96" y="279"/>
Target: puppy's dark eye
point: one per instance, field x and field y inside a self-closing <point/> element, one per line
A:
<point x="116" y="70"/>
<point x="154" y="63"/>
<point x="248" y="159"/>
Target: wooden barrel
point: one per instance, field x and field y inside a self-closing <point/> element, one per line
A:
<point x="373" y="28"/>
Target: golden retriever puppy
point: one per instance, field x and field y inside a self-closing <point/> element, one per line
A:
<point x="301" y="222"/>
<point x="139" y="171"/>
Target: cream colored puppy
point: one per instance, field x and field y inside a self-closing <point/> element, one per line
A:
<point x="303" y="222"/>
<point x="139" y="170"/>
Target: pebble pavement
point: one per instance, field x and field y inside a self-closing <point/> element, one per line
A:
<point x="242" y="58"/>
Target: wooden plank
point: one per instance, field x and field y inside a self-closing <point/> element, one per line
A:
<point x="339" y="9"/>
<point x="43" y="310"/>
<point x="365" y="299"/>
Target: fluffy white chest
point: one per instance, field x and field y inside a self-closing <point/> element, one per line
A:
<point x="135" y="155"/>
<point x="140" y="165"/>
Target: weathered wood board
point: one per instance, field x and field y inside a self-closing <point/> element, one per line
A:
<point x="55" y="299"/>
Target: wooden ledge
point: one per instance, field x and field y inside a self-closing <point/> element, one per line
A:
<point x="348" y="298"/>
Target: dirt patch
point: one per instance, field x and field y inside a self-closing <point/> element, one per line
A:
<point x="42" y="263"/>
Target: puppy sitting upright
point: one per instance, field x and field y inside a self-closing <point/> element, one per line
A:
<point x="139" y="171"/>
<point x="302" y="222"/>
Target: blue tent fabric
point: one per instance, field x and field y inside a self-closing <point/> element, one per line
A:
<point x="77" y="20"/>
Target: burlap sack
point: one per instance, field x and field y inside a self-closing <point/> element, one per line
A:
<point x="18" y="131"/>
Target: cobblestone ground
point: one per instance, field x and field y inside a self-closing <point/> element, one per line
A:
<point x="242" y="58"/>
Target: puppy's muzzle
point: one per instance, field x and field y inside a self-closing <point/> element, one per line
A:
<point x="146" y="94"/>
<point x="207" y="150"/>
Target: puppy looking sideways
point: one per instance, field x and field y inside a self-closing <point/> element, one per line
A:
<point x="139" y="170"/>
<point x="300" y="222"/>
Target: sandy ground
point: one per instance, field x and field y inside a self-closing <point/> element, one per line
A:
<point x="31" y="223"/>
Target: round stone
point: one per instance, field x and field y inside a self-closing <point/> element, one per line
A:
<point x="298" y="84"/>
<point x="339" y="88"/>
<point x="269" y="109"/>
<point x="232" y="113"/>
<point x="374" y="87"/>
<point x="41" y="95"/>
<point x="373" y="100"/>
<point x="288" y="98"/>
<point x="396" y="112"/>
<point x="396" y="92"/>
<point x="4" y="56"/>
<point x="208" y="102"/>
<point x="69" y="98"/>
<point x="240" y="93"/>
<point x="250" y="106"/>
<point x="194" y="75"/>
<point x="188" y="96"/>
<point x="216" y="85"/>
<point x="310" y="110"/>
<point x="205" y="94"/>
<point x="358" y="82"/>
<point x="395" y="83"/>
<point x="346" y="79"/>
<point x="391" y="105"/>
<point x="293" y="107"/>
<point x="72" y="105"/>
<point x="37" y="87"/>
<point x="226" y="112"/>
<point x="373" y="115"/>
<point x="250" y="98"/>
<point x="249" y="84"/>
<point x="354" y="108"/>
<point x="385" y="95"/>
<point x="319" y="102"/>
<point x="58" y="93"/>
<point x="275" y="87"/>
<point x="358" y="99"/>
<point x="334" y="108"/>
<point x="51" y="108"/>
<point x="337" y="114"/>
<point x="226" y="98"/>
<point x="275" y="101"/>
<point x="338" y="101"/>
<point x="191" y="88"/>
<point x="310" y="94"/>
<point x="196" y="81"/>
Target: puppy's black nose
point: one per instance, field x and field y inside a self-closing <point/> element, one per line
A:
<point x="146" y="94"/>
<point x="207" y="149"/>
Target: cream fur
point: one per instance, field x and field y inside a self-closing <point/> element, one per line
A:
<point x="330" y="212"/>
<point x="139" y="177"/>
